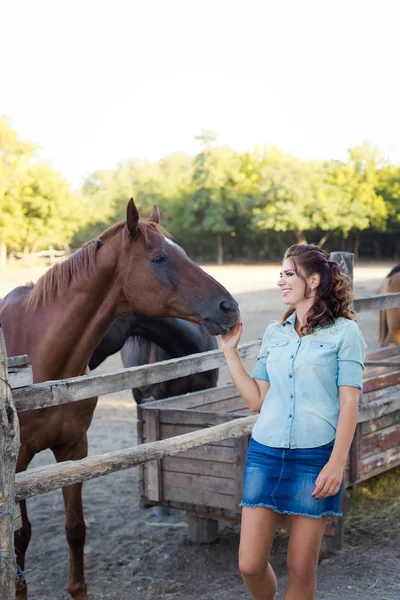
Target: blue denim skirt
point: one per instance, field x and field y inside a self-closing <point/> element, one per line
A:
<point x="283" y="479"/>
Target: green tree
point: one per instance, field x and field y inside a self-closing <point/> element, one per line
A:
<point x="37" y="207"/>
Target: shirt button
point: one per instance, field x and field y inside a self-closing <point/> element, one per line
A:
<point x="291" y="395"/>
<point x="292" y="356"/>
<point x="290" y="375"/>
<point x="290" y="416"/>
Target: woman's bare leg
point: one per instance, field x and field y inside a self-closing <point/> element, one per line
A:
<point x="256" y="537"/>
<point x="302" y="559"/>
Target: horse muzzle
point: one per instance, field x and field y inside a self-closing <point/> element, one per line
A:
<point x="221" y="318"/>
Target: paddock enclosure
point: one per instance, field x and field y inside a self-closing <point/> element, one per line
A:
<point x="375" y="449"/>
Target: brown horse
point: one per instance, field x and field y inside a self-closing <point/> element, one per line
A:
<point x="389" y="318"/>
<point x="60" y="321"/>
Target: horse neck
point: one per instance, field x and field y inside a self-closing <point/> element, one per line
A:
<point x="177" y="337"/>
<point x="78" y="319"/>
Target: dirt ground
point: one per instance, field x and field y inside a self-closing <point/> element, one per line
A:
<point x="131" y="554"/>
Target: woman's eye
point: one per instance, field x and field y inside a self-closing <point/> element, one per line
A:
<point x="159" y="259"/>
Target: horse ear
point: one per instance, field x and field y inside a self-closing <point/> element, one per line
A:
<point x="155" y="215"/>
<point x="132" y="217"/>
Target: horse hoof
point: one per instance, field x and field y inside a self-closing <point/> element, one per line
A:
<point x="21" y="592"/>
<point x="78" y="592"/>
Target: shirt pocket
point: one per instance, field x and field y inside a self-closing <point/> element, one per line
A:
<point x="320" y="353"/>
<point x="275" y="350"/>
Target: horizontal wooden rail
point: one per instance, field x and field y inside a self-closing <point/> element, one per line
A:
<point x="52" y="393"/>
<point x="46" y="479"/>
<point x="377" y="302"/>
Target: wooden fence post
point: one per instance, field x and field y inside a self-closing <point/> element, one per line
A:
<point x="9" y="447"/>
<point x="335" y="542"/>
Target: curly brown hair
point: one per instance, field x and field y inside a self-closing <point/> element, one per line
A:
<point x="333" y="295"/>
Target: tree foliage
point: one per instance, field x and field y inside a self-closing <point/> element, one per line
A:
<point x="37" y="207"/>
<point x="219" y="204"/>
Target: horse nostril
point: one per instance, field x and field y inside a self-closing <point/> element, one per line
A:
<point x="228" y="307"/>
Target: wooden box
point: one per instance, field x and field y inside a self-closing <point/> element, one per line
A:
<point x="206" y="480"/>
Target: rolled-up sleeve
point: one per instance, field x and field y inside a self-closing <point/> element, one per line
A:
<point x="351" y="356"/>
<point x="260" y="372"/>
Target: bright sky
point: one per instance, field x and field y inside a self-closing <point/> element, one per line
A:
<point x="93" y="82"/>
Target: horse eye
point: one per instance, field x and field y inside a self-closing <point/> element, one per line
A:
<point x="159" y="259"/>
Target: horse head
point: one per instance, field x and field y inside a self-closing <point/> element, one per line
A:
<point x="158" y="279"/>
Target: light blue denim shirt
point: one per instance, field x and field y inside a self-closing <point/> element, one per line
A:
<point x="301" y="408"/>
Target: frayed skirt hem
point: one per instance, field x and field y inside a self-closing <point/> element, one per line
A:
<point x="328" y="513"/>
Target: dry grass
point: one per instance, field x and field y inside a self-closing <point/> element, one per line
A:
<point x="375" y="503"/>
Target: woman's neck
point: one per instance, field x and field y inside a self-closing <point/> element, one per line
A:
<point x="301" y="313"/>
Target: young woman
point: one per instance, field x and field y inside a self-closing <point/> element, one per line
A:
<point x="306" y="386"/>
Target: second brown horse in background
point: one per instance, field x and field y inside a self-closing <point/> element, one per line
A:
<point x="389" y="318"/>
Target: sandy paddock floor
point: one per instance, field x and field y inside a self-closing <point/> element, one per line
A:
<point x="131" y="554"/>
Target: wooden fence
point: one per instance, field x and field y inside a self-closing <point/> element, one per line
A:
<point x="13" y="373"/>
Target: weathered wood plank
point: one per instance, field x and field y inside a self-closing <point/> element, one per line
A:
<point x="390" y="391"/>
<point x="19" y="377"/>
<point x="346" y="262"/>
<point x="63" y="391"/>
<point x="173" y="416"/>
<point x="195" y="482"/>
<point x="153" y="468"/>
<point x="202" y="531"/>
<point x="177" y="464"/>
<point x="373" y="465"/>
<point x="381" y="381"/>
<point x="199" y="497"/>
<point x="17" y="361"/>
<point x="382" y="363"/>
<point x="377" y="424"/>
<point x="170" y="431"/>
<point x="196" y="399"/>
<point x="210" y="452"/>
<point x="231" y="405"/>
<point x="378" y="408"/>
<point x="17" y="518"/>
<point x="376" y="302"/>
<point x="380" y="441"/>
<point x="44" y="479"/>
<point x="9" y="447"/>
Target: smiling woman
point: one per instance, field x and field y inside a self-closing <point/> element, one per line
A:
<point x="306" y="385"/>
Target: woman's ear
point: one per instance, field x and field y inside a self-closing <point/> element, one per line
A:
<point x="314" y="281"/>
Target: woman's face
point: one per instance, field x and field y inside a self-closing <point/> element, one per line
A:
<point x="293" y="288"/>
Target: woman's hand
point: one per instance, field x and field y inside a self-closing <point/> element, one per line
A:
<point x="230" y="340"/>
<point x="328" y="481"/>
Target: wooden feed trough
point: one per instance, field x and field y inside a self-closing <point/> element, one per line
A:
<point x="207" y="481"/>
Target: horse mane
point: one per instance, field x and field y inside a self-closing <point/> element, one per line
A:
<point x="393" y="271"/>
<point x="82" y="263"/>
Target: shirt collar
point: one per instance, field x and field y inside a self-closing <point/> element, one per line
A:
<point x="291" y="319"/>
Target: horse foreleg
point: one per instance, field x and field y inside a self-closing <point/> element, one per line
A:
<point x="75" y="527"/>
<point x="21" y="542"/>
<point x="23" y="535"/>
